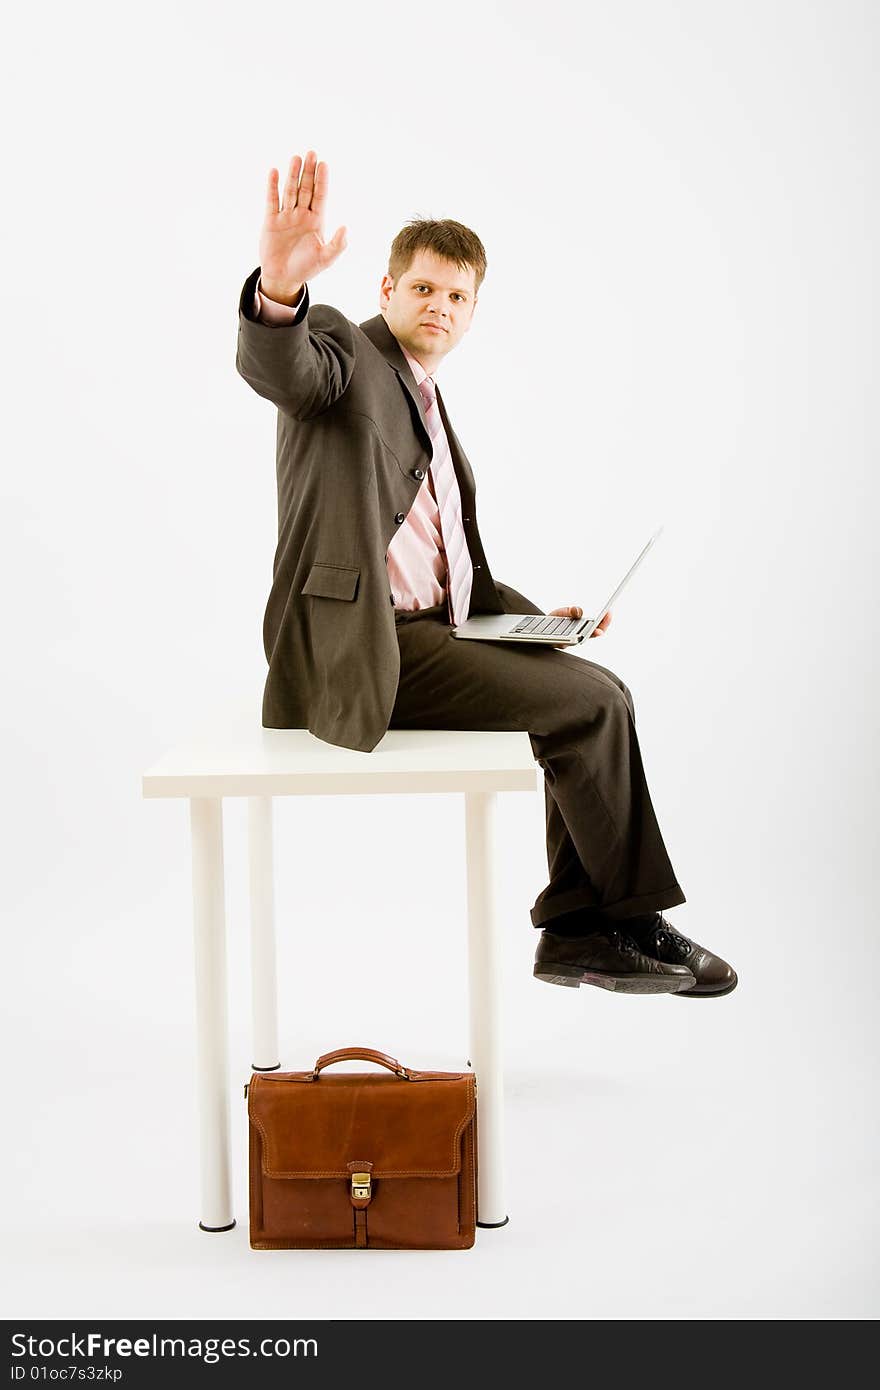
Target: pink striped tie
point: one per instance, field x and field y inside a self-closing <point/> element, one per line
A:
<point x="459" y="569"/>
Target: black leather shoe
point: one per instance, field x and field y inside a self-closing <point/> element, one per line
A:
<point x="655" y="937"/>
<point x="607" y="957"/>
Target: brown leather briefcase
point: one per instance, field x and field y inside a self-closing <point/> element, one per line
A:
<point x="362" y="1159"/>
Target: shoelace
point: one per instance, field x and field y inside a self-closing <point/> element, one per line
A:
<point x="665" y="933"/>
<point x="620" y="940"/>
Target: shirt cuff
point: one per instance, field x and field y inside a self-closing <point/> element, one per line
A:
<point x="271" y="312"/>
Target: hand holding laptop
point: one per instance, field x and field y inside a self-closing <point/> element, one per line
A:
<point x="563" y="627"/>
<point x="573" y="611"/>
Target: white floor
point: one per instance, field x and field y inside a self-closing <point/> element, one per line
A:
<point x="666" y="1158"/>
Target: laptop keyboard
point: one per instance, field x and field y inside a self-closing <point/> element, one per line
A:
<point x="550" y="627"/>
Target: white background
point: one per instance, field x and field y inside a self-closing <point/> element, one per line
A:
<point x="679" y="205"/>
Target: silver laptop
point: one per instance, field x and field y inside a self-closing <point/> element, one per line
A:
<point x="533" y="627"/>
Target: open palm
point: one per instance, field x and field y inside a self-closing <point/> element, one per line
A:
<point x="292" y="245"/>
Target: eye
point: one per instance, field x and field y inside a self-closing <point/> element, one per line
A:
<point x="456" y="295"/>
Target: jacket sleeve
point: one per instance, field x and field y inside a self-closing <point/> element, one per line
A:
<point x="302" y="367"/>
<point x="513" y="601"/>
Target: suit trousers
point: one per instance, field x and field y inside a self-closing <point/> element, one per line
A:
<point x="604" y="847"/>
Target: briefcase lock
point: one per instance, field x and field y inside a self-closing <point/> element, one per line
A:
<point x="360" y="1186"/>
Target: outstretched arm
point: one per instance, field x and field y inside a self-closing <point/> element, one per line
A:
<point x="300" y="370"/>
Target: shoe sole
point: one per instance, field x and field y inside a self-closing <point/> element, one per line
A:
<point x="716" y="993"/>
<point x="572" y="977"/>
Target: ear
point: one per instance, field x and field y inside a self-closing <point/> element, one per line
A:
<point x="385" y="289"/>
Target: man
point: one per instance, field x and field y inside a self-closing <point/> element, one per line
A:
<point x="379" y="555"/>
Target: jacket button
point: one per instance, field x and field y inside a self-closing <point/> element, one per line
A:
<point x="418" y="473"/>
<point x="399" y="518"/>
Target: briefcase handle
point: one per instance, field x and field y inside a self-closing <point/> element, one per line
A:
<point x="360" y="1054"/>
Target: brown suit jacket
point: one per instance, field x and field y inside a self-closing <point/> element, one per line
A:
<point x="352" y="448"/>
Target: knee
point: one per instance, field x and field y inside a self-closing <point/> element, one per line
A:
<point x="621" y="687"/>
<point x="602" y="691"/>
<point x="609" y="697"/>
<point x="624" y="699"/>
<point x="621" y="695"/>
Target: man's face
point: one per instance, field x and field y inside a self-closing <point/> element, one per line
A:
<point x="435" y="292"/>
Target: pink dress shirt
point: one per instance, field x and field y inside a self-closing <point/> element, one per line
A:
<point x="416" y="559"/>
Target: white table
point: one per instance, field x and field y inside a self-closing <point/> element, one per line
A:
<point x="238" y="757"/>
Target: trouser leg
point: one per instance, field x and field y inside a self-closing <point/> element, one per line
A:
<point x="612" y="857"/>
<point x="604" y="847"/>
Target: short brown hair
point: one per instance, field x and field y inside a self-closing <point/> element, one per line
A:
<point x="450" y="240"/>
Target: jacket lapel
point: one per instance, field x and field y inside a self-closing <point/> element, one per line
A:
<point x="380" y="335"/>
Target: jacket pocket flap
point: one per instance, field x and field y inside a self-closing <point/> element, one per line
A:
<point x="332" y="581"/>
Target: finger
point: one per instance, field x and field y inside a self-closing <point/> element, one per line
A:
<point x="322" y="183"/>
<point x="289" y="200"/>
<point x="307" y="183"/>
<point x="333" y="248"/>
<point x="272" y="192"/>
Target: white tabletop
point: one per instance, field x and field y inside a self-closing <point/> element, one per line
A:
<point x="236" y="756"/>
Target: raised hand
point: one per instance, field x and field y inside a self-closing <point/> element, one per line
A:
<point x="292" y="245"/>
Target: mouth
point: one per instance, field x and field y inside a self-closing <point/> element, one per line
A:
<point x="436" y="327"/>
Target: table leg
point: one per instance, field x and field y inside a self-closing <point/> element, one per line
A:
<point x="264" y="988"/>
<point x="484" y="978"/>
<point x="212" y="1041"/>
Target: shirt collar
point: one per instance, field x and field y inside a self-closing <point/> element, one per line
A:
<point x="416" y="368"/>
